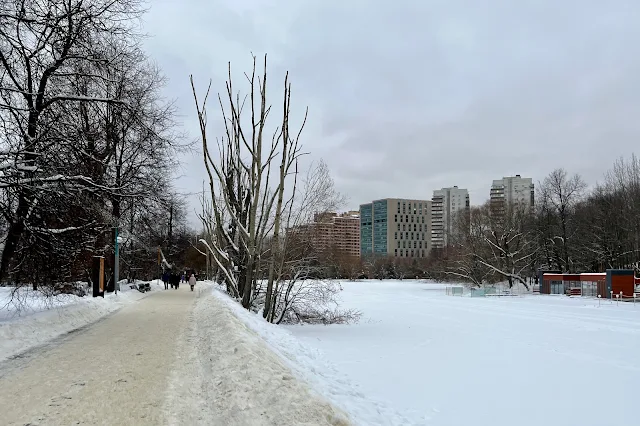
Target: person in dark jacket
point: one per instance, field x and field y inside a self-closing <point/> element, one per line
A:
<point x="176" y="280"/>
<point x="165" y="280"/>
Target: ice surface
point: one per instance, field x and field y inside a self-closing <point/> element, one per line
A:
<point x="447" y="360"/>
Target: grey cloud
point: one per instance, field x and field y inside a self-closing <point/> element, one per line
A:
<point x="421" y="95"/>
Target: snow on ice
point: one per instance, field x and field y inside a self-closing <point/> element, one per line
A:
<point x="41" y="319"/>
<point x="451" y="360"/>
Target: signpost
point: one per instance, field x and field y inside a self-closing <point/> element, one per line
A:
<point x="101" y="278"/>
<point x="97" y="276"/>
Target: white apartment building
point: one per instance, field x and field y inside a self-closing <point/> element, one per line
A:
<point x="445" y="205"/>
<point x="512" y="190"/>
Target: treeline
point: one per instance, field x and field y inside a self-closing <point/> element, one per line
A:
<point x="87" y="144"/>
<point x="570" y="229"/>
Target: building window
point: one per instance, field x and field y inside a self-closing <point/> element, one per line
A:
<point x="420" y="245"/>
<point x="397" y="244"/>
<point x="415" y="244"/>
<point x="396" y="252"/>
<point x="415" y="227"/>
<point x="420" y="228"/>
<point x="406" y="218"/>
<point x="411" y="253"/>
<point x="395" y="236"/>
<point x="422" y="219"/>
<point x="404" y="244"/>
<point x="411" y="219"/>
<point x="412" y="235"/>
<point x="395" y="218"/>
<point x="404" y="227"/>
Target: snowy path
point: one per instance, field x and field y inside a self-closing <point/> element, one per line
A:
<point x="113" y="372"/>
<point x="176" y="357"/>
<point x="247" y="383"/>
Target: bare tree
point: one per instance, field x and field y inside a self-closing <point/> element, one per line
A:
<point x="463" y="258"/>
<point x="560" y="194"/>
<point x="569" y="230"/>
<point x="43" y="45"/>
<point x="297" y="258"/>
<point x="497" y="246"/>
<point x="244" y="185"/>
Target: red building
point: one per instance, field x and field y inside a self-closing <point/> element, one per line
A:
<point x="616" y="281"/>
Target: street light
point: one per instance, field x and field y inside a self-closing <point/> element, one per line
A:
<point x="116" y="269"/>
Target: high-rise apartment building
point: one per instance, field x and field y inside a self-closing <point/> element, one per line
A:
<point x="333" y="231"/>
<point x="396" y="227"/>
<point x="445" y="205"/>
<point x="511" y="190"/>
<point x="346" y="233"/>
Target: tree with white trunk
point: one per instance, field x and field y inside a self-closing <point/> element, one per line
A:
<point x="245" y="206"/>
<point x="258" y="202"/>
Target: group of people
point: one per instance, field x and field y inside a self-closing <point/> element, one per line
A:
<point x="173" y="279"/>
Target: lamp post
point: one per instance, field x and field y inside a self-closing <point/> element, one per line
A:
<point x="116" y="268"/>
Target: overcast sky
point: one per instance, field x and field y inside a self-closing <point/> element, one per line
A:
<point x="410" y="96"/>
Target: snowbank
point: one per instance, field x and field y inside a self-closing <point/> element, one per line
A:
<point x="310" y="365"/>
<point x="42" y="319"/>
<point x="235" y="379"/>
<point x="500" y="361"/>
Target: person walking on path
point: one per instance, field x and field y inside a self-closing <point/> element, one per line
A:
<point x="165" y="280"/>
<point x="192" y="281"/>
<point x="176" y="281"/>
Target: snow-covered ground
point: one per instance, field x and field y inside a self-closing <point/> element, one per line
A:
<point x="447" y="360"/>
<point x="37" y="319"/>
<point x="309" y="364"/>
<point x="420" y="357"/>
<point x="226" y="375"/>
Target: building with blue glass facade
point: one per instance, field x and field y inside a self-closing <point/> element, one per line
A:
<point x="395" y="227"/>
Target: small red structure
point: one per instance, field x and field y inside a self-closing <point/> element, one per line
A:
<point x="618" y="281"/>
<point x="621" y="282"/>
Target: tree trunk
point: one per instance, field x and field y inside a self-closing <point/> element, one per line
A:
<point x="248" y="283"/>
<point x="170" y="233"/>
<point x="275" y="245"/>
<point x="17" y="225"/>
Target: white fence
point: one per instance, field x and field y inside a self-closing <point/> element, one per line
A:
<point x="493" y="290"/>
